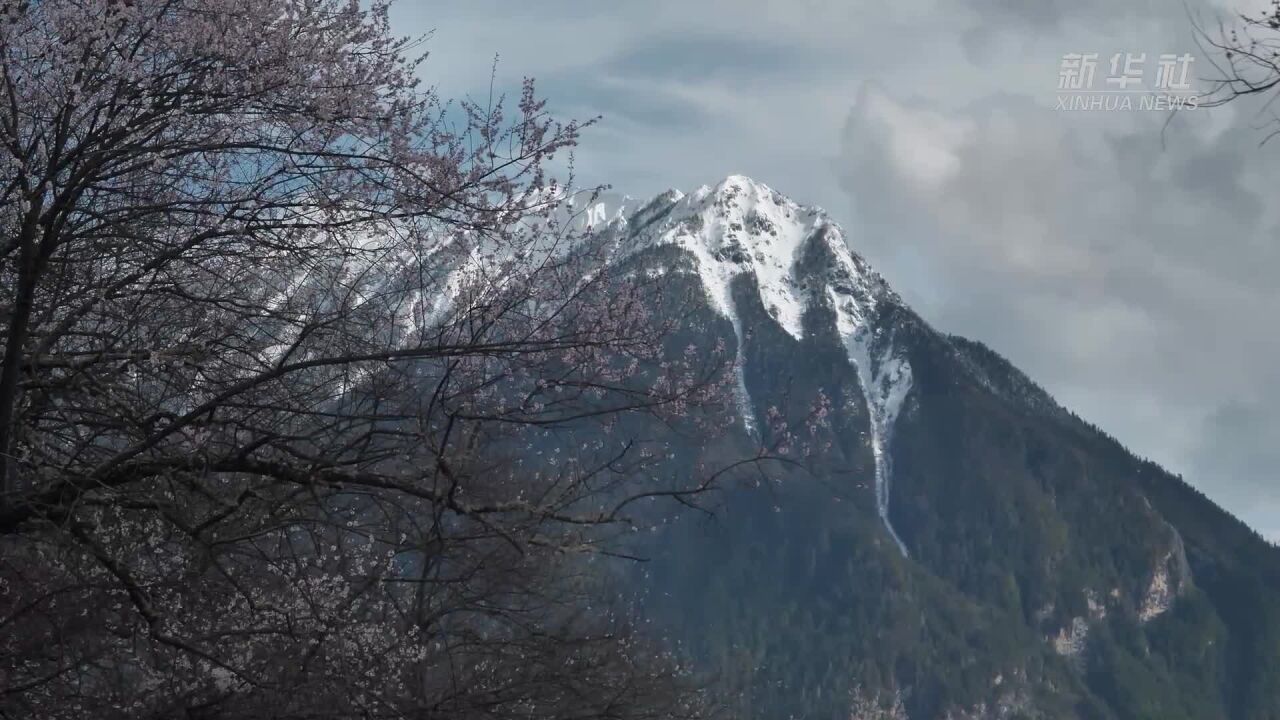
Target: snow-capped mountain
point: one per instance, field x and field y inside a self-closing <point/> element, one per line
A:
<point x="797" y="259"/>
<point x="966" y="548"/>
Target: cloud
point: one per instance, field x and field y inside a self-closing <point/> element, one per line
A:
<point x="707" y="56"/>
<point x="1238" y="456"/>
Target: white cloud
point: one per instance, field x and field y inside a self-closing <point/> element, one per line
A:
<point x="921" y="145"/>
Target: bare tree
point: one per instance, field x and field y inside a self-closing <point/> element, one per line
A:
<point x="309" y="395"/>
<point x="1245" y="56"/>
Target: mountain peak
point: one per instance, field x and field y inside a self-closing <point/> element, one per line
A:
<point x="737" y="227"/>
<point x="740" y="191"/>
<point x="740" y="183"/>
<point x="794" y="259"/>
<point x="741" y="226"/>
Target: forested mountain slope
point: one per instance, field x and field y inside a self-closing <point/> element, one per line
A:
<point x="946" y="540"/>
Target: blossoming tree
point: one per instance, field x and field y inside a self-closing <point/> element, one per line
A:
<point x="310" y="394"/>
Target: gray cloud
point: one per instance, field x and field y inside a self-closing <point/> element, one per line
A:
<point x="707" y="56"/>
<point x="1238" y="457"/>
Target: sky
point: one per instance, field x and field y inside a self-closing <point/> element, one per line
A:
<point x="1127" y="260"/>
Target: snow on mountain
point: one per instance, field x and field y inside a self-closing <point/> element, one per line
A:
<point x="742" y="227"/>
<point x="796" y="255"/>
<point x="885" y="381"/>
